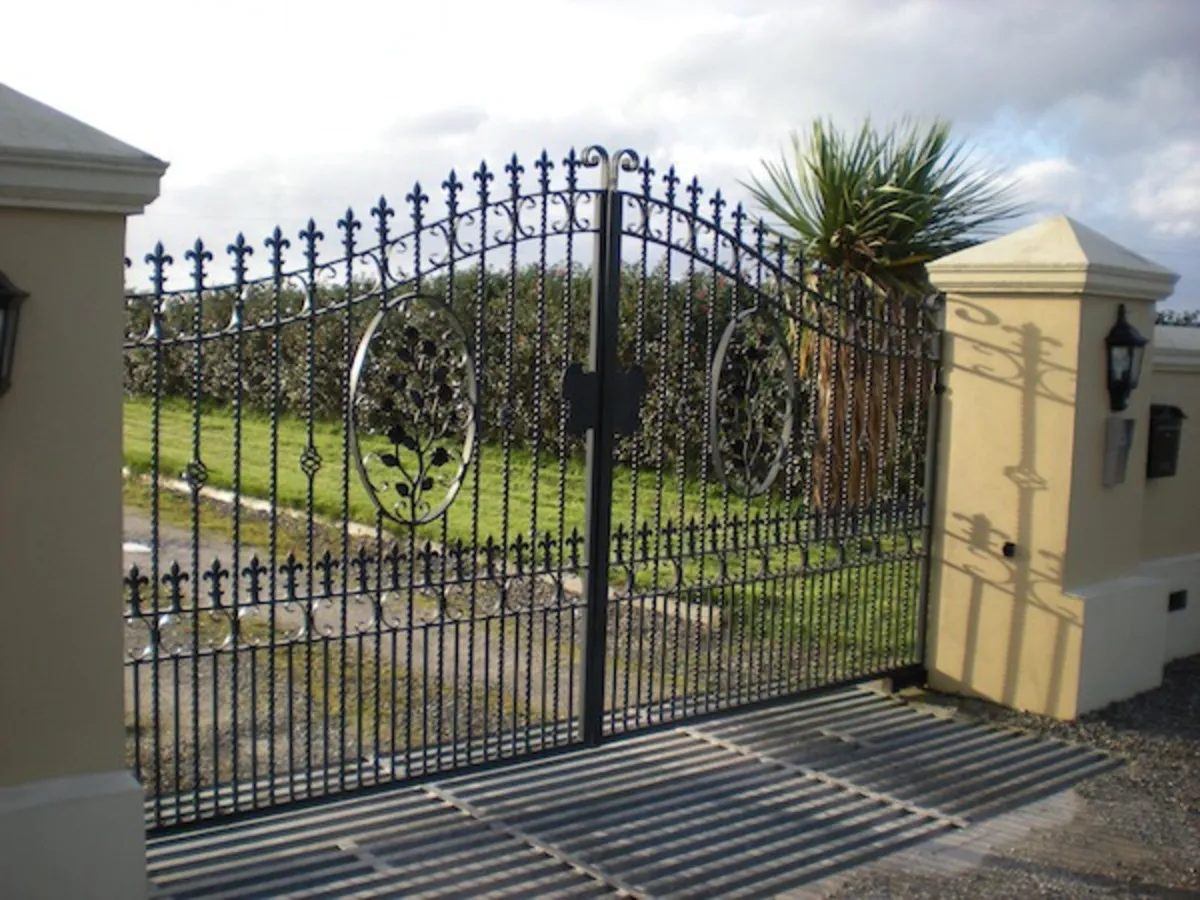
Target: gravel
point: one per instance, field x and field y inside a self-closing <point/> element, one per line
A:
<point x="1132" y="832"/>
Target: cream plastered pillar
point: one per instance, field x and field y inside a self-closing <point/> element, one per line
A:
<point x="71" y="821"/>
<point x="1036" y="601"/>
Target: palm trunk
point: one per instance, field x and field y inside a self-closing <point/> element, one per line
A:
<point x="861" y="385"/>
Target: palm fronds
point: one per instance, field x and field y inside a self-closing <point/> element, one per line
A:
<point x="881" y="205"/>
<point x="867" y="211"/>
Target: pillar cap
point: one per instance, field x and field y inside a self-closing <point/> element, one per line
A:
<point x="49" y="160"/>
<point x="1054" y="257"/>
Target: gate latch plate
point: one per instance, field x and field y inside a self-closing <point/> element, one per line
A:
<point x="582" y="396"/>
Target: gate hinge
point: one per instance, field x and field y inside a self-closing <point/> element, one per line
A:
<point x="582" y="395"/>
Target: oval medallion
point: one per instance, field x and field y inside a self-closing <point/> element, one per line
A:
<point x="415" y="401"/>
<point x="752" y="387"/>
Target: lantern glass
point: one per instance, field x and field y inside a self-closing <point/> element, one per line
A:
<point x="1126" y="350"/>
<point x="1120" y="364"/>
<point x="1135" y="365"/>
<point x="10" y="307"/>
<point x="9" y="310"/>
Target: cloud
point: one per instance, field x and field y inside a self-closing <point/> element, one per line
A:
<point x="276" y="111"/>
<point x="1167" y="194"/>
<point x="1051" y="185"/>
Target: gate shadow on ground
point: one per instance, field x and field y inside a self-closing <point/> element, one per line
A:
<point x="694" y="819"/>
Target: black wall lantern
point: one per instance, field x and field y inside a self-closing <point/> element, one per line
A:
<point x="10" y="312"/>
<point x="1126" y="348"/>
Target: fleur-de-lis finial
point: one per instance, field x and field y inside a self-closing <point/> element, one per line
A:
<point x="216" y="574"/>
<point x="739" y="220"/>
<point x="255" y="572"/>
<point x="718" y="204"/>
<point x="544" y="166"/>
<point x="158" y="260"/>
<point x="483" y="175"/>
<point x="199" y="255"/>
<point x="417" y="198"/>
<point x="571" y="163"/>
<point x="348" y="224"/>
<point x="381" y="212"/>
<point x="453" y="187"/>
<point x="311" y="237"/>
<point x="240" y="250"/>
<point x="693" y="190"/>
<point x="671" y="180"/>
<point x="647" y="173"/>
<point x="515" y="170"/>
<point x="277" y="243"/>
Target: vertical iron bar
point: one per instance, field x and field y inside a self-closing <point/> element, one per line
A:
<point x="846" y="473"/>
<point x="856" y="414"/>
<point x="730" y="528"/>
<point x="451" y="186"/>
<point x="647" y="173"/>
<point x="876" y="500"/>
<point x="602" y="359"/>
<point x="483" y="176"/>
<point x="514" y="170"/>
<point x="793" y="511"/>
<point x="691" y="219"/>
<point x="900" y="516"/>
<point x="752" y="584"/>
<point x="815" y="488"/>
<point x="662" y="416"/>
<point x="310" y="236"/>
<point x="159" y="260"/>
<point x="886" y="495"/>
<point x="196" y="479"/>
<point x="543" y="166"/>
<point x="382" y="212"/>
<point x="240" y="250"/>
<point x="864" y="569"/>
<point x="930" y="498"/>
<point x="277" y="243"/>
<point x="410" y="624"/>
<point x="571" y="165"/>
<point x="349" y="225"/>
<point x="377" y="602"/>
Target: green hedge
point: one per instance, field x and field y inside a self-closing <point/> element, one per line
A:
<point x="519" y="362"/>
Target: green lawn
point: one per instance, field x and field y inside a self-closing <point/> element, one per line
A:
<point x="844" y="573"/>
<point x="529" y="479"/>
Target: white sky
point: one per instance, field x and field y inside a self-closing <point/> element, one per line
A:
<point x="270" y="111"/>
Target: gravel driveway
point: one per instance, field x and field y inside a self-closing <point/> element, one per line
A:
<point x="1132" y="832"/>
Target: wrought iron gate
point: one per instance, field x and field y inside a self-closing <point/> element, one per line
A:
<point x="471" y="490"/>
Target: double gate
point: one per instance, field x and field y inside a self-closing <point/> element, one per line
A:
<point x="530" y="466"/>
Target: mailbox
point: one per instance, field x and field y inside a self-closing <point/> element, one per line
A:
<point x="1166" y="429"/>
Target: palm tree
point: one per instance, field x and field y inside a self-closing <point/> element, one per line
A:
<point x="865" y="213"/>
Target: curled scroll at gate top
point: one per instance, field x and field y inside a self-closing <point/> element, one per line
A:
<point x="752" y="388"/>
<point x="415" y="401"/>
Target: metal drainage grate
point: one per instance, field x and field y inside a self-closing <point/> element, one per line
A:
<point x="402" y="843"/>
<point x="754" y="804"/>
<point x="963" y="770"/>
<point x="765" y="802"/>
<point x="675" y="816"/>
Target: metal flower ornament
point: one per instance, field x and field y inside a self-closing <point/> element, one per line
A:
<point x="751" y="396"/>
<point x="415" y="404"/>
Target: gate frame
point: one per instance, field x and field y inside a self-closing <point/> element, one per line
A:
<point x="601" y="439"/>
<point x="599" y="403"/>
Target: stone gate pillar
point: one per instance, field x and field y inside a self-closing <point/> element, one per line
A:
<point x="71" y="821"/>
<point x="1035" y="597"/>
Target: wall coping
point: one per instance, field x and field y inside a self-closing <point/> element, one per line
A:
<point x="1176" y="349"/>
<point x="49" y="160"/>
<point x="1057" y="257"/>
<point x="1153" y="568"/>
